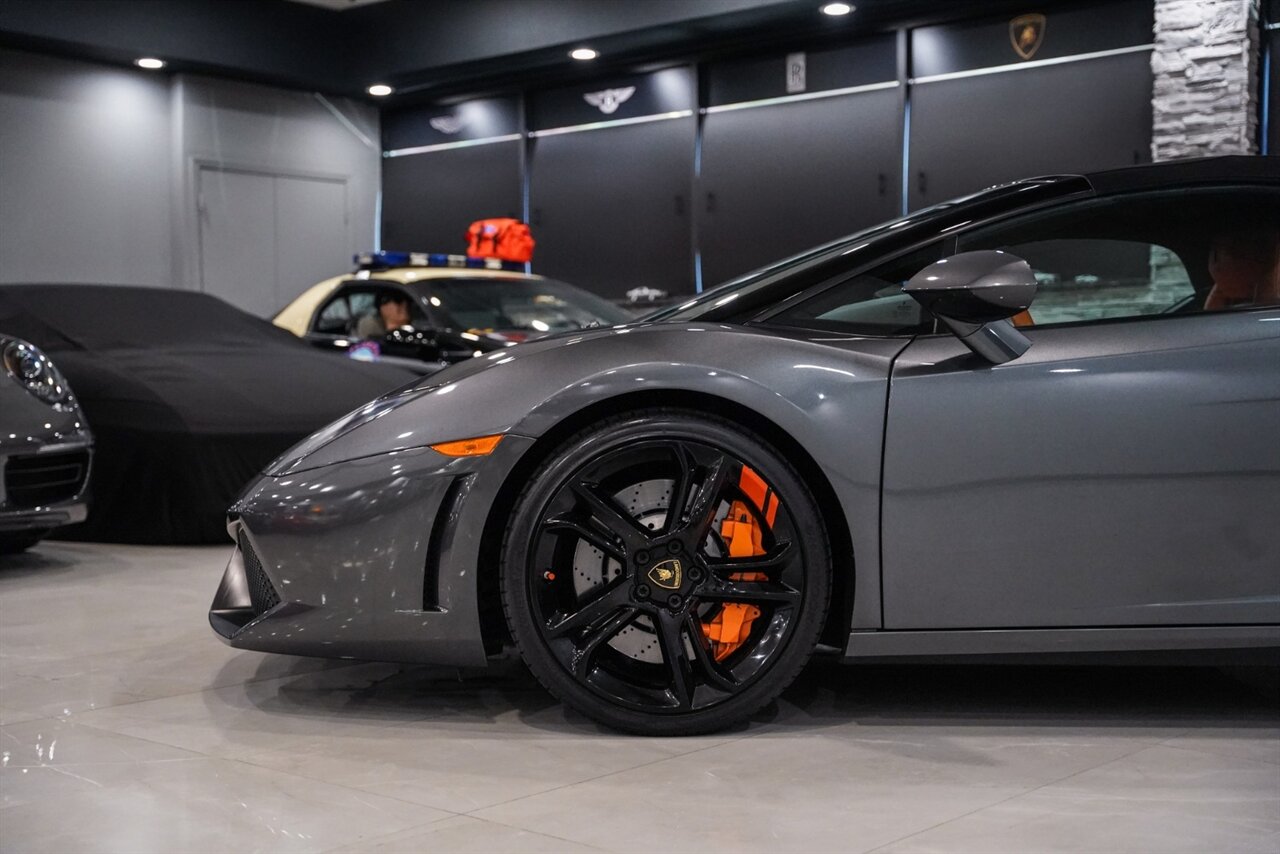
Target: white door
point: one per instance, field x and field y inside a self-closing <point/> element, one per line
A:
<point x="265" y="238"/>
<point x="311" y="235"/>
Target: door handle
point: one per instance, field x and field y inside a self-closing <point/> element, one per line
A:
<point x="711" y="202"/>
<point x="882" y="183"/>
<point x="922" y="182"/>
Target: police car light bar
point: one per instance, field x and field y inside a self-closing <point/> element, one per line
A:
<point x="385" y="260"/>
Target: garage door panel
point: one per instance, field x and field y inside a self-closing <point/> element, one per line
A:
<point x="610" y="207"/>
<point x="973" y="132"/>
<point x="237" y="238"/>
<point x="429" y="199"/>
<point x="312" y="242"/>
<point x="779" y="179"/>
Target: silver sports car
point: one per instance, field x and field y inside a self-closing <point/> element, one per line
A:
<point x="45" y="447"/>
<point x="1041" y="419"/>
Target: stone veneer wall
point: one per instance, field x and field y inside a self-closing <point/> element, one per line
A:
<point x="1205" y="65"/>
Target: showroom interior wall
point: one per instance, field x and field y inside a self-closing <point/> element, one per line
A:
<point x="280" y="188"/>
<point x="81" y="197"/>
<point x="726" y="164"/>
<point x="124" y="176"/>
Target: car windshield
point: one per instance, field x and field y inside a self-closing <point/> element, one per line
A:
<point x="527" y="305"/>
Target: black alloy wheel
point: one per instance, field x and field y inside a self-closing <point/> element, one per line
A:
<point x="666" y="573"/>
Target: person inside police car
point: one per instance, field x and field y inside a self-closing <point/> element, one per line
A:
<point x="392" y="313"/>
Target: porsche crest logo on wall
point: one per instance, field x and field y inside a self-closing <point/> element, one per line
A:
<point x="667" y="574"/>
<point x="608" y="100"/>
<point x="1026" y="32"/>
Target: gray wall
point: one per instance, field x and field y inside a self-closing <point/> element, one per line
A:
<point x="100" y="166"/>
<point x="84" y="189"/>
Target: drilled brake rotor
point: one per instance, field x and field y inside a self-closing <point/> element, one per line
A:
<point x="647" y="502"/>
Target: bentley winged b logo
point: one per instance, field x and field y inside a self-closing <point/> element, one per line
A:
<point x="667" y="574"/>
<point x="608" y="100"/>
<point x="448" y="124"/>
<point x="1026" y="32"/>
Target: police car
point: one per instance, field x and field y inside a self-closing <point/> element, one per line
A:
<point x="438" y="309"/>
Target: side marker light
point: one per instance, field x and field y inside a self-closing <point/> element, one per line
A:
<point x="477" y="447"/>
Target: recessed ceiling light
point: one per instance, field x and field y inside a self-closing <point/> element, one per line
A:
<point x="149" y="62"/>
<point x="582" y="54"/>
<point x="379" y="90"/>
<point x="836" y="9"/>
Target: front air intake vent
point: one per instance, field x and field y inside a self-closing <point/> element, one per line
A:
<point x="262" y="595"/>
<point x="442" y="538"/>
<point x="40" y="479"/>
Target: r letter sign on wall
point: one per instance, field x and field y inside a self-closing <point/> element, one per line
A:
<point x="795" y="73"/>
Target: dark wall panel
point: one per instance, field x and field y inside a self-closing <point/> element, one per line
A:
<point x="870" y="60"/>
<point x="609" y="207"/>
<point x="428" y="200"/>
<point x="633" y="96"/>
<point x="483" y="118"/>
<point x="779" y="179"/>
<point x="973" y="132"/>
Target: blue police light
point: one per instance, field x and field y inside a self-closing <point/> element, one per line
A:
<point x="386" y="259"/>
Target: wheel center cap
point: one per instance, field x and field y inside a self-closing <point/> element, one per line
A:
<point x="667" y="574"/>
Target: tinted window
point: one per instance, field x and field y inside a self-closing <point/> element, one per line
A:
<point x="343" y="314"/>
<point x="1148" y="254"/>
<point x="1092" y="279"/>
<point x="362" y="306"/>
<point x="870" y="303"/>
<point x="335" y="317"/>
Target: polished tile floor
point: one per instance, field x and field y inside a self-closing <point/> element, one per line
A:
<point x="125" y="726"/>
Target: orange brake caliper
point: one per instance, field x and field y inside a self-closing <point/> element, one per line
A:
<point x="730" y="626"/>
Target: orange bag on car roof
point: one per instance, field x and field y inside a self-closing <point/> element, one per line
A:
<point x="505" y="238"/>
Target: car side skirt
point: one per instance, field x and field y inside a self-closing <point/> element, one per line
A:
<point x="893" y="644"/>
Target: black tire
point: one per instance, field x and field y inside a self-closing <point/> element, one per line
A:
<point x="11" y="544"/>
<point x="577" y="657"/>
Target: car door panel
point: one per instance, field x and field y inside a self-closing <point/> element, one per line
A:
<point x="1118" y="473"/>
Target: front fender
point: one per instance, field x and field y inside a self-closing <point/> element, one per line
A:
<point x="828" y="395"/>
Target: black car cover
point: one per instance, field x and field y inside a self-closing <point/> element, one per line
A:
<point x="188" y="398"/>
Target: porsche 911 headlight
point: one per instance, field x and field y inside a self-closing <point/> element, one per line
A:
<point x="32" y="369"/>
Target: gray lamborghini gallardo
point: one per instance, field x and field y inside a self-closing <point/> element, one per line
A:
<point x="1040" y="419"/>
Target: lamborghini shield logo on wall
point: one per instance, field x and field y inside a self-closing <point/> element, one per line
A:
<point x="1026" y="32"/>
<point x="608" y="100"/>
<point x="667" y="574"/>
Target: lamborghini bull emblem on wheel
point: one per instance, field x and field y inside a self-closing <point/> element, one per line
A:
<point x="667" y="575"/>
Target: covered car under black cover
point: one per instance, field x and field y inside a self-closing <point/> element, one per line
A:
<point x="188" y="397"/>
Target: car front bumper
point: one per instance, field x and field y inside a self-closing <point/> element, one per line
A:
<point x="45" y="487"/>
<point x="375" y="558"/>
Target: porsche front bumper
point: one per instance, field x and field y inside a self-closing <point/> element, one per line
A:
<point x="45" y="488"/>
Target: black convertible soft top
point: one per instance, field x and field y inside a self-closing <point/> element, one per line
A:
<point x="187" y="396"/>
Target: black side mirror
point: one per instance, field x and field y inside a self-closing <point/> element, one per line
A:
<point x="975" y="294"/>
